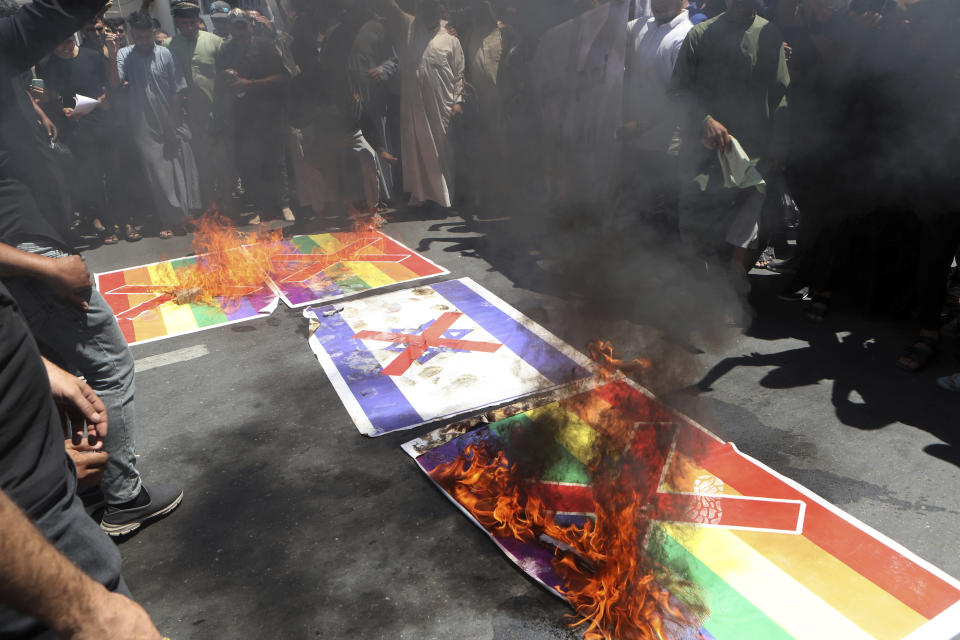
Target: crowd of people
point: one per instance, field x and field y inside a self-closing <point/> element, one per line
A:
<point x="735" y="116"/>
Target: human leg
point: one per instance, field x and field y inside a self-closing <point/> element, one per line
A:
<point x="90" y="343"/>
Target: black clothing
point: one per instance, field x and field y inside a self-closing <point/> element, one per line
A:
<point x="33" y="466"/>
<point x="85" y="75"/>
<point x="26" y="37"/>
<point x="255" y="60"/>
<point x="37" y="474"/>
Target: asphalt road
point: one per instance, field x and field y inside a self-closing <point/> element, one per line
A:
<point x="295" y="526"/>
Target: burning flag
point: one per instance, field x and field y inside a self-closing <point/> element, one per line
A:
<point x="651" y="527"/>
<point x="238" y="276"/>
<point x="324" y="267"/>
<point x="228" y="281"/>
<point x="403" y="359"/>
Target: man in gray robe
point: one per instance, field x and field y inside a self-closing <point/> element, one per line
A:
<point x="156" y="87"/>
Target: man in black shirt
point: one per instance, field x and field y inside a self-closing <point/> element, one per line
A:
<point x="42" y="592"/>
<point x="52" y="285"/>
<point x="70" y="75"/>
<point x="252" y="74"/>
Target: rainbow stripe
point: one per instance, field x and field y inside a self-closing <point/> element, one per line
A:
<point x="766" y="569"/>
<point x="145" y="313"/>
<point x="328" y="266"/>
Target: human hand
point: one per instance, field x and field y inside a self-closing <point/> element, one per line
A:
<point x="375" y="73"/>
<point x="70" y="280"/>
<point x="37" y="92"/>
<point x="715" y="135"/>
<point x="72" y="114"/>
<point x="457" y="110"/>
<point x="113" y="617"/>
<point x="80" y="404"/>
<point x="89" y="462"/>
<point x="50" y="128"/>
<point x="112" y="41"/>
<point x="389" y="158"/>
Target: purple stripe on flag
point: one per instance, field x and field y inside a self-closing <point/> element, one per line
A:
<point x="381" y="400"/>
<point x="450" y="451"/>
<point x="541" y="355"/>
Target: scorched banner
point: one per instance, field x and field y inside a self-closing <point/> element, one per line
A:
<point x="145" y="301"/>
<point x="330" y="266"/>
<point x="768" y="558"/>
<point x="403" y="359"/>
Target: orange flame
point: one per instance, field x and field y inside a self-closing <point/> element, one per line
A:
<point x="233" y="264"/>
<point x="609" y="581"/>
<point x="603" y="354"/>
<point x="230" y="265"/>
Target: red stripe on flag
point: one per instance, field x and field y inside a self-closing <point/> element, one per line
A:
<point x="571" y="498"/>
<point x="632" y="404"/>
<point x="904" y="579"/>
<point x="416" y="263"/>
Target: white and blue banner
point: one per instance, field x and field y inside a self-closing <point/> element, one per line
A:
<point x="403" y="359"/>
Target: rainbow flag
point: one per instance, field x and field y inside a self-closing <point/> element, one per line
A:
<point x="328" y="266"/>
<point x="145" y="310"/>
<point x="772" y="560"/>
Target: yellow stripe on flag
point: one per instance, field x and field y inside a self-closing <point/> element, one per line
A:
<point x="798" y="610"/>
<point x="576" y="436"/>
<point x="149" y="326"/>
<point x="178" y="318"/>
<point x="369" y="273"/>
<point x="327" y="242"/>
<point x="161" y="274"/>
<point x="856" y="597"/>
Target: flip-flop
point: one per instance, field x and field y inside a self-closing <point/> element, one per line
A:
<point x="950" y="383"/>
<point x="131" y="233"/>
<point x="166" y="234"/>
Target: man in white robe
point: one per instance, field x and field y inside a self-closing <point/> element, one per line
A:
<point x="431" y="90"/>
<point x="650" y="132"/>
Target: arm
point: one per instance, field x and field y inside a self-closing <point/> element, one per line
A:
<point x="113" y="64"/>
<point x="41" y="582"/>
<point x="37" y="28"/>
<point x="44" y="119"/>
<point x="78" y="404"/>
<point x="458" y="65"/>
<point x="68" y="277"/>
<point x="683" y="93"/>
<point x="778" y="116"/>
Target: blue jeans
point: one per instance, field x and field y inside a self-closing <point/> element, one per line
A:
<point x="88" y="343"/>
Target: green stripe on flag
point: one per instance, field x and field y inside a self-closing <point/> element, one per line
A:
<point x="732" y="617"/>
<point x="206" y="315"/>
<point x="564" y="467"/>
<point x="346" y="279"/>
<point x="304" y="244"/>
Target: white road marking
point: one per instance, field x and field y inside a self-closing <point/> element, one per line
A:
<point x="172" y="357"/>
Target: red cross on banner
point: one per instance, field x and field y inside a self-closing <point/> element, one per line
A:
<point x="317" y="263"/>
<point x="741" y="512"/>
<point x="162" y="295"/>
<point x="417" y="345"/>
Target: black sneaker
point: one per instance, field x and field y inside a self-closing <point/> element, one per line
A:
<point x="162" y="499"/>
<point x="794" y="293"/>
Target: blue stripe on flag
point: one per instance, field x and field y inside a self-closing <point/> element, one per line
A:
<point x="541" y="355"/>
<point x="380" y="398"/>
